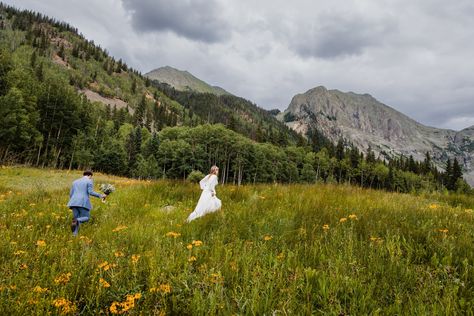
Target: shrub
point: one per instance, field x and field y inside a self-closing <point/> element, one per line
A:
<point x="195" y="176"/>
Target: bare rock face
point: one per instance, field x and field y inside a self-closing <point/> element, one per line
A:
<point x="364" y="121"/>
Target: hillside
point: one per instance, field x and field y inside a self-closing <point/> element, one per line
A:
<point x="66" y="103"/>
<point x="365" y="122"/>
<point x="298" y="249"/>
<point x="183" y="80"/>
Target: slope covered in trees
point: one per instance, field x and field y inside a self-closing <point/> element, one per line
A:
<point x="153" y="131"/>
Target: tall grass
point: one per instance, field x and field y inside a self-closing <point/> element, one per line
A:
<point x="272" y="249"/>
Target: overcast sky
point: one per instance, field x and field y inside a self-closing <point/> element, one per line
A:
<point x="415" y="56"/>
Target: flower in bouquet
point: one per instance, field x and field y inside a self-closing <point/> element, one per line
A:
<point x="107" y="188"/>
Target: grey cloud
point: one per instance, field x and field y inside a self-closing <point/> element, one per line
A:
<point x="198" y="20"/>
<point x="415" y="56"/>
<point x="336" y="36"/>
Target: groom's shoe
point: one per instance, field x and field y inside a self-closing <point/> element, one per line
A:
<point x="74" y="225"/>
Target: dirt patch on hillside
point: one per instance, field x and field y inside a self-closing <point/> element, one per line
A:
<point x="95" y="97"/>
<point x="58" y="60"/>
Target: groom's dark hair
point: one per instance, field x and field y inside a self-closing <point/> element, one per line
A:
<point x="88" y="173"/>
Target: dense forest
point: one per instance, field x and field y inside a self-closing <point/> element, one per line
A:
<point x="150" y="130"/>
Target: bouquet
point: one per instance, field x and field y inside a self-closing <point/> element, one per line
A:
<point x="106" y="188"/>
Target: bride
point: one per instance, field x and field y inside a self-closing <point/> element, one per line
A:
<point x="208" y="202"/>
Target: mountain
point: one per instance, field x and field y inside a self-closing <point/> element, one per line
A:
<point x="364" y="121"/>
<point x="183" y="81"/>
<point x="66" y="103"/>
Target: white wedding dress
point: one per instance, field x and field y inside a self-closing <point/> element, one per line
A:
<point x="207" y="202"/>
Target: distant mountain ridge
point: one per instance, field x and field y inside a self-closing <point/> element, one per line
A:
<point x="183" y="80"/>
<point x="364" y="121"/>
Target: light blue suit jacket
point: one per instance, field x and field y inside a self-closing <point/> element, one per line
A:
<point x="80" y="191"/>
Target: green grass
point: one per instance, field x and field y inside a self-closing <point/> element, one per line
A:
<point x="266" y="252"/>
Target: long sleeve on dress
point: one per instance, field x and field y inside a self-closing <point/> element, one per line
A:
<point x="212" y="183"/>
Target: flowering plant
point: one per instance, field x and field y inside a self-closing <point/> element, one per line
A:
<point x="106" y="188"/>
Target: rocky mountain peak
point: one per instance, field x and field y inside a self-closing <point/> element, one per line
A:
<point x="364" y="121"/>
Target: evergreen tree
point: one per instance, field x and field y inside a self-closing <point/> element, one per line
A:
<point x="39" y="72"/>
<point x="456" y="174"/>
<point x="426" y="166"/>
<point x="33" y="58"/>
<point x="140" y="112"/>
<point x="340" y="149"/>
<point x="448" y="175"/>
<point x="134" y="85"/>
<point x="134" y="147"/>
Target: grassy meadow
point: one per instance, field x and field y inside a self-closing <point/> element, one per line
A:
<point x="271" y="250"/>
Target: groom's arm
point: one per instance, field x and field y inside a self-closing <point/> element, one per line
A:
<point x="90" y="190"/>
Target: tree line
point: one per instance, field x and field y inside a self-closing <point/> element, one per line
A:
<point x="167" y="134"/>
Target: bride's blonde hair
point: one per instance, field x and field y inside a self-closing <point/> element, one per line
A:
<point x="213" y="169"/>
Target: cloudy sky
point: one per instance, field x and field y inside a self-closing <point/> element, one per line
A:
<point x="416" y="56"/>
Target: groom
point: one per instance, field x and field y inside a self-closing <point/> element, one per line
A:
<point x="79" y="201"/>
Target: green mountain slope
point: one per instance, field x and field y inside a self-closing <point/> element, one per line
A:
<point x="183" y="80"/>
<point x="66" y="103"/>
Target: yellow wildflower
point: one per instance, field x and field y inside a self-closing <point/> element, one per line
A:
<point x="125" y="306"/>
<point x="135" y="296"/>
<point x="41" y="243"/>
<point x="63" y="278"/>
<point x="65" y="306"/>
<point x="353" y="216"/>
<point x="267" y="237"/>
<point x="433" y="206"/>
<point x="192" y="259"/>
<point x="23" y="266"/>
<point x="197" y="243"/>
<point x="119" y="228"/>
<point x="376" y="239"/>
<point x="216" y="278"/>
<point x="86" y="239"/>
<point x="32" y="204"/>
<point x="280" y="256"/>
<point x="135" y="258"/>
<point x="115" y="308"/>
<point x="19" y="252"/>
<point x="444" y="231"/>
<point x="39" y="289"/>
<point x="163" y="288"/>
<point x="104" y="283"/>
<point x="343" y="219"/>
<point x="325" y="226"/>
<point x="173" y="234"/>
<point x="189" y="246"/>
<point x="106" y="266"/>
<point x="119" y="254"/>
